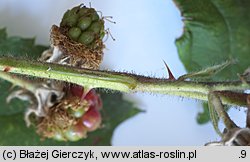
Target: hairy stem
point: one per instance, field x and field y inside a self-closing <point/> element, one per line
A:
<point x="124" y="82"/>
<point x="17" y="81"/>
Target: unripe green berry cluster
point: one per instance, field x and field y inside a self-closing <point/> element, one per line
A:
<point x="84" y="25"/>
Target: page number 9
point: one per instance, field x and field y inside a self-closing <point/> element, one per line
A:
<point x="243" y="154"/>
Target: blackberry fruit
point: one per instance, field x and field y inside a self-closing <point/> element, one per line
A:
<point x="88" y="20"/>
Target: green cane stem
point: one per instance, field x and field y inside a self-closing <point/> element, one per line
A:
<point x="124" y="82"/>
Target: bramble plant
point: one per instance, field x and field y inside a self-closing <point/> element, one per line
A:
<point x="66" y="103"/>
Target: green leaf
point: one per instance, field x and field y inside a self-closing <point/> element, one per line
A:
<point x="3" y="35"/>
<point x="203" y="117"/>
<point x="115" y="110"/>
<point x="15" y="106"/>
<point x="215" y="31"/>
<point x="17" y="46"/>
<point x="21" y="47"/>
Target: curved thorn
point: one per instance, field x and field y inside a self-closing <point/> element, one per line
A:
<point x="170" y="75"/>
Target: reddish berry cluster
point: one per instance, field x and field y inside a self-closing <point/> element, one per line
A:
<point x="77" y="114"/>
<point x="91" y="119"/>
